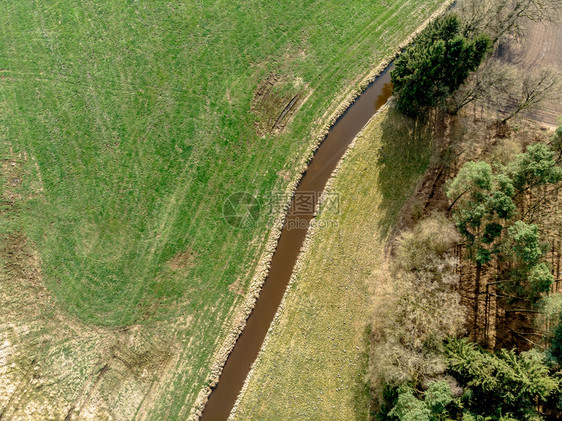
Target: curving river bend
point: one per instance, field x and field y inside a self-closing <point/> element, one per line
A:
<point x="313" y="181"/>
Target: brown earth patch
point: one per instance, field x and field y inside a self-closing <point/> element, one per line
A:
<point x="11" y="171"/>
<point x="275" y="102"/>
<point x="51" y="365"/>
<point x="538" y="48"/>
<point x="285" y="175"/>
<point x="183" y="260"/>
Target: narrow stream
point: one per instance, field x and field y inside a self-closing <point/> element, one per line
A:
<point x="312" y="184"/>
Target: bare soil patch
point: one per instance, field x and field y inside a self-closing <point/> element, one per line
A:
<point x="538" y="48"/>
<point x="183" y="260"/>
<point x="275" y="102"/>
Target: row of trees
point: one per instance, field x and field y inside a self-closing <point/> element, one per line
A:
<point x="420" y="369"/>
<point x="420" y="312"/>
<point x="501" y="18"/>
<point x="421" y="372"/>
<point x="443" y="66"/>
<point x="505" y="386"/>
<point x="491" y="209"/>
<point x="505" y="87"/>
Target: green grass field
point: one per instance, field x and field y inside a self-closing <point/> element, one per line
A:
<point x="128" y="124"/>
<point x="314" y="365"/>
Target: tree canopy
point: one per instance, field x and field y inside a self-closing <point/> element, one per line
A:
<point x="484" y="204"/>
<point x="436" y="64"/>
<point x="503" y="386"/>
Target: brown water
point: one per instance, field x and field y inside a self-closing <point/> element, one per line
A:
<point x="312" y="184"/>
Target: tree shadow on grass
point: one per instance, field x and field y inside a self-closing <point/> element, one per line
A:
<point x="361" y="390"/>
<point x="404" y="156"/>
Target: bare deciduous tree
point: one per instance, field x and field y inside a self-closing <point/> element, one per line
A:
<point x="502" y="17"/>
<point x="480" y="85"/>
<point x="422" y="310"/>
<point x="507" y="88"/>
<point x="526" y="90"/>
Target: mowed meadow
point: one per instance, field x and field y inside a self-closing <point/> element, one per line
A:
<point x="124" y="125"/>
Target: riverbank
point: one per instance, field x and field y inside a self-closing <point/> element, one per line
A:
<point x="314" y="363"/>
<point x="345" y="99"/>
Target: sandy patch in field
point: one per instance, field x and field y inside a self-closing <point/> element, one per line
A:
<point x="52" y="366"/>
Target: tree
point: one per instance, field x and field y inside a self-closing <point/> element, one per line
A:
<point x="482" y="201"/>
<point x="507" y="88"/>
<point x="422" y="310"/>
<point x="555" y="350"/>
<point x="504" y="17"/>
<point x="525" y="244"/>
<point x="527" y="90"/>
<point x="536" y="176"/>
<point x="557" y="143"/>
<point x="552" y="310"/>
<point x="433" y="406"/>
<point x="485" y="210"/>
<point x="528" y="275"/>
<point x="479" y="85"/>
<point x="436" y="64"/>
<point x="504" y="386"/>
<point x="410" y="408"/>
<point x="483" y="206"/>
<point x="502" y="383"/>
<point x="537" y="166"/>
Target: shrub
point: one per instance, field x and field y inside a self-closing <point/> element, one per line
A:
<point x="422" y="310"/>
